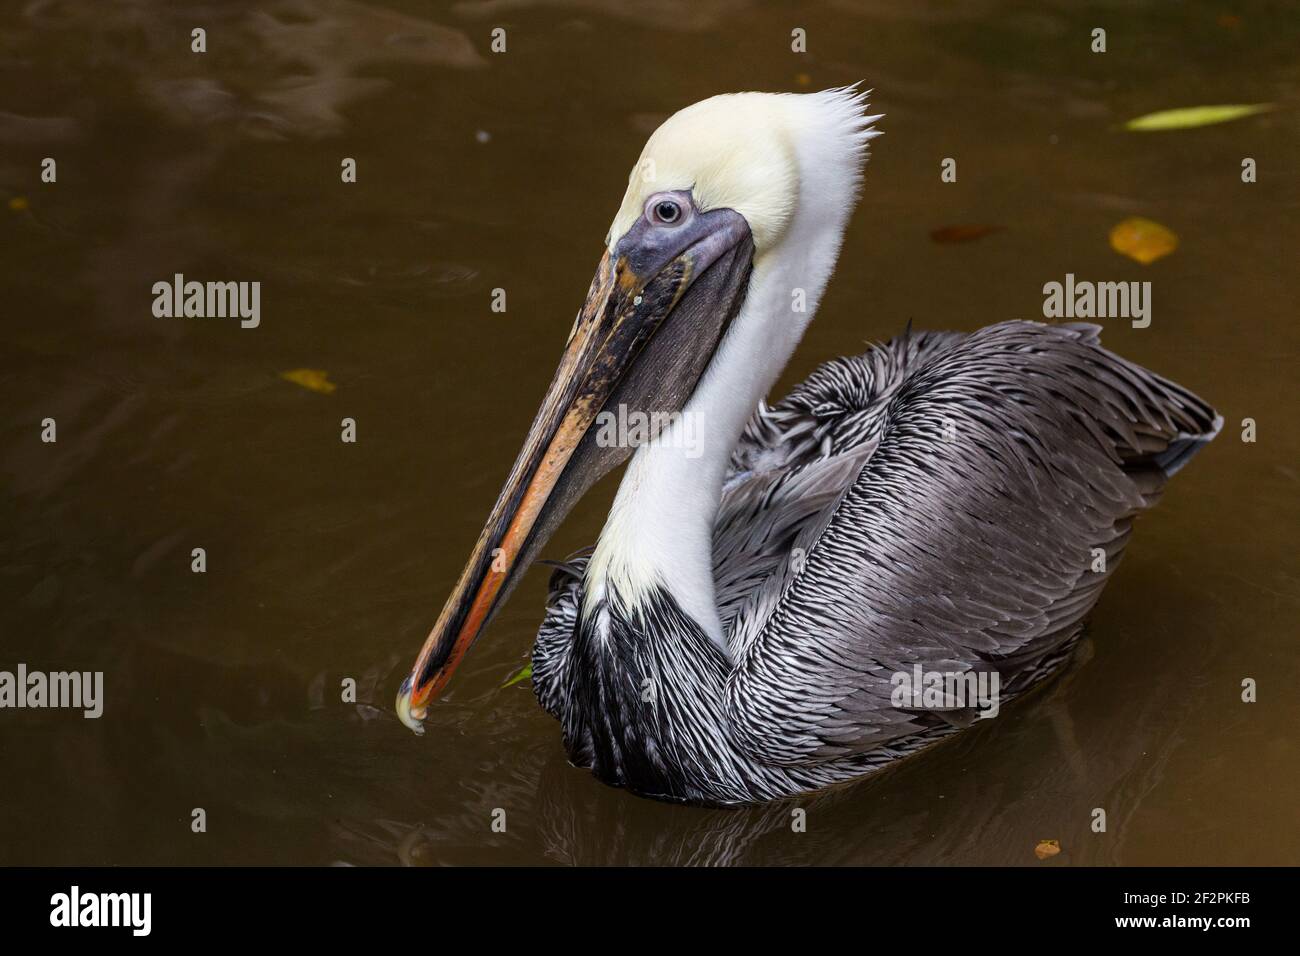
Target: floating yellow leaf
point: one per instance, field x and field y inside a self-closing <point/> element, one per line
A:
<point x="1143" y="240"/>
<point x="18" y="203"/>
<point x="523" y="675"/>
<point x="1047" y="849"/>
<point x="315" y="379"/>
<point x="1192" y="116"/>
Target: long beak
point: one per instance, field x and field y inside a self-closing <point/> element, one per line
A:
<point x="635" y="291"/>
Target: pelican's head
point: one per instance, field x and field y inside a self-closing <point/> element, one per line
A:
<point x="753" y="154"/>
<point x="722" y="190"/>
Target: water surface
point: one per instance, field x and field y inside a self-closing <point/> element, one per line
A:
<point x="480" y="171"/>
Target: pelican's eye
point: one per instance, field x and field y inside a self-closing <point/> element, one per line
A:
<point x="668" y="211"/>
<point x="664" y="211"/>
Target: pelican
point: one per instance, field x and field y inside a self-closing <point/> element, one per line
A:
<point x="946" y="501"/>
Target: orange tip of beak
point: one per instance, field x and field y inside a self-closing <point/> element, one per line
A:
<point x="411" y="711"/>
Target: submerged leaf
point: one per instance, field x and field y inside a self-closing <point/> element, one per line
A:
<point x="1143" y="239"/>
<point x="1047" y="849"/>
<point x="946" y="234"/>
<point x="524" y="674"/>
<point x="1192" y="116"/>
<point x="315" y="379"/>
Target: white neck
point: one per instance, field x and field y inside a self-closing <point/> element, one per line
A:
<point x="660" y="529"/>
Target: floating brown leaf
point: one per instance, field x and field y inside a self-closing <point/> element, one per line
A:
<point x="967" y="233"/>
<point x="1047" y="849"/>
<point x="1143" y="240"/>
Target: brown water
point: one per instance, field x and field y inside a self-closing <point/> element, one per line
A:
<point x="476" y="171"/>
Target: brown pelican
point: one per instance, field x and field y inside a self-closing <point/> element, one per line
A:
<point x="945" y="503"/>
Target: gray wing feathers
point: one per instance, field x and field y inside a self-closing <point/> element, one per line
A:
<point x="998" y="462"/>
<point x="940" y="500"/>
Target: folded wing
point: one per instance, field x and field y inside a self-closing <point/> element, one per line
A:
<point x="944" y="501"/>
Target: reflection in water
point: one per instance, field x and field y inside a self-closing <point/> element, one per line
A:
<point x="281" y="69"/>
<point x="683" y="15"/>
<point x="325" y="44"/>
<point x="964" y="804"/>
<point x="477" y="171"/>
